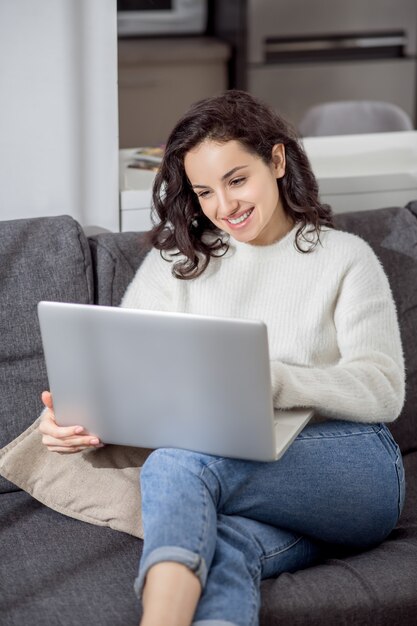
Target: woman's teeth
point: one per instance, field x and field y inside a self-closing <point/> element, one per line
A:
<point x="240" y="219"/>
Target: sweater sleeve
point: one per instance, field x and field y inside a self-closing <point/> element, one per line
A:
<point x="152" y="287"/>
<point x="367" y="384"/>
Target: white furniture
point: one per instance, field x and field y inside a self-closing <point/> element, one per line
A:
<point x="360" y="172"/>
<point x="135" y="194"/>
<point x="355" y="172"/>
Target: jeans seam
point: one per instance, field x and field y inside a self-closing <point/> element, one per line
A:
<point x="255" y="596"/>
<point x="206" y="468"/>
<point x="204" y="528"/>
<point x="288" y="546"/>
<point x="392" y="448"/>
<point x="306" y="436"/>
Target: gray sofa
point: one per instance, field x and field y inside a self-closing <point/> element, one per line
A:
<point x="60" y="571"/>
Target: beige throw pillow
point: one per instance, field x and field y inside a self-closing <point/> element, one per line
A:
<point x="97" y="486"/>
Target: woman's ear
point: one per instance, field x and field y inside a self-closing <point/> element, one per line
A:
<point x="278" y="159"/>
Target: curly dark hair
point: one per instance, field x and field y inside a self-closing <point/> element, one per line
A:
<point x="180" y="225"/>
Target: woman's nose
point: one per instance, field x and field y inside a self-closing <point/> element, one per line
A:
<point x="226" y="205"/>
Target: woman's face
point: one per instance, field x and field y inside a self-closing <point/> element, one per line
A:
<point x="237" y="191"/>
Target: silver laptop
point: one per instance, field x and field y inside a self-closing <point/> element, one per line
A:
<point x="153" y="379"/>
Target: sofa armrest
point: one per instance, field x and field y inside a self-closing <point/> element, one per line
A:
<point x="41" y="259"/>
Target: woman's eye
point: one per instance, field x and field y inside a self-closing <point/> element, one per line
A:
<point x="203" y="194"/>
<point x="237" y="181"/>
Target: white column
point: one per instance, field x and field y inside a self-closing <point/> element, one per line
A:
<point x="58" y="110"/>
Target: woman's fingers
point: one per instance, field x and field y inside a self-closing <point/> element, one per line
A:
<point x="48" y="426"/>
<point x="72" y="449"/>
<point x="65" y="439"/>
<point x="71" y="442"/>
<point x="47" y="399"/>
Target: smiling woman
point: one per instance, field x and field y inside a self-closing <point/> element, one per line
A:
<point x="232" y="165"/>
<point x="238" y="216"/>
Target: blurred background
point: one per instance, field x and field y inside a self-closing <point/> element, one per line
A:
<point x="88" y="86"/>
<point x="292" y="53"/>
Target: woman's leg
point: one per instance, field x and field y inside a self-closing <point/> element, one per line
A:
<point x="170" y="595"/>
<point x="339" y="482"/>
<point x="247" y="551"/>
<point x="178" y="513"/>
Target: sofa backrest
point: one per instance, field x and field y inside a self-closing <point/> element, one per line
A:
<point x="392" y="233"/>
<point x="116" y="257"/>
<point x="40" y="259"/>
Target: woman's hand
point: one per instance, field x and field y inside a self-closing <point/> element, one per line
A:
<point x="66" y="439"/>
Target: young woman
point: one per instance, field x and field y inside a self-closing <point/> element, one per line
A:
<point x="240" y="231"/>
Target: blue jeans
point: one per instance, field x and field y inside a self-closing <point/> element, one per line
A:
<point x="235" y="522"/>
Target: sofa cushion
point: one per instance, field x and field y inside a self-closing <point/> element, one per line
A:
<point x="40" y="259"/>
<point x="55" y="570"/>
<point x="392" y="233"/>
<point x="99" y="486"/>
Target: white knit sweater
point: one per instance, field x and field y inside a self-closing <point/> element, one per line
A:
<point x="332" y="326"/>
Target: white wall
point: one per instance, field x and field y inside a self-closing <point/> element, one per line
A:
<point x="58" y="110"/>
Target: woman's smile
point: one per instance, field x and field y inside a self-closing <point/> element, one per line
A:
<point x="241" y="219"/>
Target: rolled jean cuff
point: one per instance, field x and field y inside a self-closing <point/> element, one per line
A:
<point x="193" y="561"/>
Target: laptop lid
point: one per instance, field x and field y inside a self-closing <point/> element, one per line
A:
<point x="156" y="379"/>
